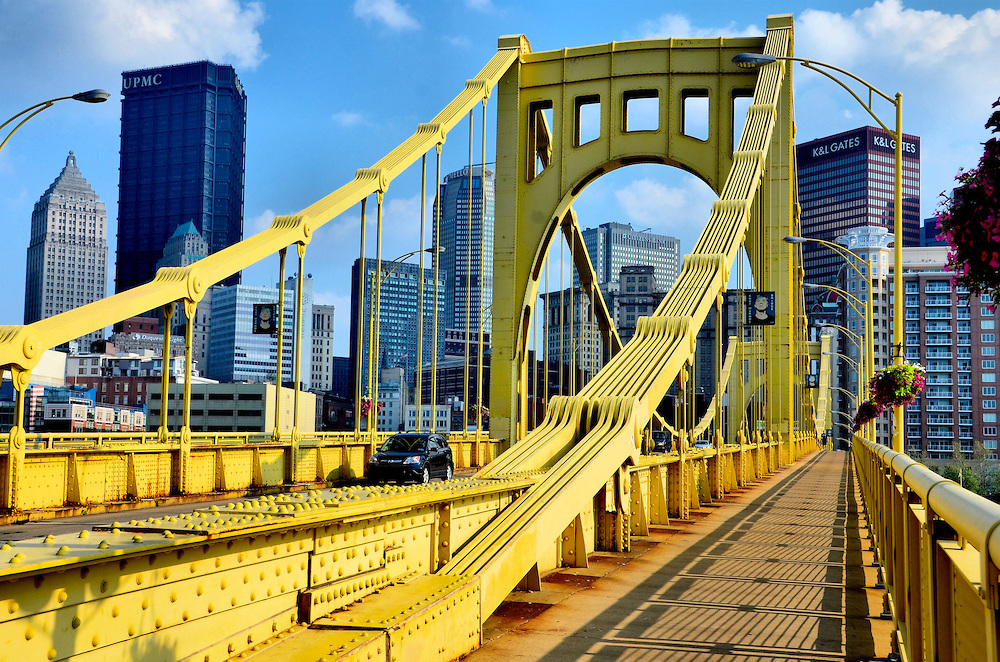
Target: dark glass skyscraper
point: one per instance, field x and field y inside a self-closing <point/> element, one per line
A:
<point x="846" y="181"/>
<point x="182" y="154"/>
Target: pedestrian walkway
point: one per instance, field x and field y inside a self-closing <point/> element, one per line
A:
<point x="777" y="573"/>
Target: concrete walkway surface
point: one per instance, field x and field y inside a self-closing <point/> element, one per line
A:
<point x="776" y="572"/>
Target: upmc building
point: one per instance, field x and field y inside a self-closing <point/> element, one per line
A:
<point x="182" y="158"/>
<point x="846" y="181"/>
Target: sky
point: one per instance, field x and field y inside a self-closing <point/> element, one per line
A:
<point x="332" y="86"/>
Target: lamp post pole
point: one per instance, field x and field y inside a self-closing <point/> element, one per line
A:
<point x="865" y="347"/>
<point x="753" y="60"/>
<point x="850" y="257"/>
<point x="375" y="323"/>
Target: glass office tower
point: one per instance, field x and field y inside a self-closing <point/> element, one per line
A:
<point x="183" y="139"/>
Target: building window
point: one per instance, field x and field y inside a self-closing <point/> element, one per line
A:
<point x="989" y="364"/>
<point x="989" y="390"/>
<point x="989" y="337"/>
<point x="989" y="431"/>
<point x="987" y="324"/>
<point x="989" y="418"/>
<point x="989" y="404"/>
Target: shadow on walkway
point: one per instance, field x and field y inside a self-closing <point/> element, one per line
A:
<point x="778" y="578"/>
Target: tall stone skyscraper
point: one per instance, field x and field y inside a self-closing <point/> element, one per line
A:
<point x="68" y="250"/>
<point x="182" y="160"/>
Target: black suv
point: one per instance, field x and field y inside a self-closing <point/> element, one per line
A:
<point x="412" y="456"/>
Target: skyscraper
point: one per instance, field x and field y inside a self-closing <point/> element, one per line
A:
<point x="847" y="181"/>
<point x="68" y="252"/>
<point x="463" y="307"/>
<point x="400" y="294"/>
<point x="182" y="153"/>
<point x="322" y="348"/>
<point x="612" y="246"/>
<point x="236" y="354"/>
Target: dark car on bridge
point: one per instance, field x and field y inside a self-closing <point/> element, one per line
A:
<point x="412" y="457"/>
<point x="662" y="441"/>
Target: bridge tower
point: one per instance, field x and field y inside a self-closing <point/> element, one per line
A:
<point x="541" y="169"/>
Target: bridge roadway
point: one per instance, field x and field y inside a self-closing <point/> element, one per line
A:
<point x="780" y="571"/>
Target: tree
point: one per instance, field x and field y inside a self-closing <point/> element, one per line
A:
<point x="970" y="221"/>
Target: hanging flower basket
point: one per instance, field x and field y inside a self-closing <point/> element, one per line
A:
<point x="366" y="405"/>
<point x="867" y="411"/>
<point x="969" y="221"/>
<point x="896" y="385"/>
<point x="476" y="409"/>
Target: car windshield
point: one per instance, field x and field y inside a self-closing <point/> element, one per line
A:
<point x="404" y="444"/>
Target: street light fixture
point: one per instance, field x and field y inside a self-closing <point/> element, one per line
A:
<point x="90" y="96"/>
<point x="375" y="318"/>
<point x="854" y="337"/>
<point x="851" y="258"/>
<point x="852" y="396"/>
<point x="753" y="60"/>
<point x="854" y="362"/>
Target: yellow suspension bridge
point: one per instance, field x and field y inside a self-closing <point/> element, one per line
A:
<point x="413" y="573"/>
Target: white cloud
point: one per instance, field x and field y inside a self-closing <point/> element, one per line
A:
<point x="460" y="41"/>
<point x="260" y="222"/>
<point x="388" y="12"/>
<point x="347" y="119"/>
<point x="944" y="65"/>
<point x="680" y="211"/>
<point x="939" y="61"/>
<point x="96" y="41"/>
<point x="480" y="5"/>
<point x="677" y="25"/>
<point x="904" y="36"/>
<point x="147" y="32"/>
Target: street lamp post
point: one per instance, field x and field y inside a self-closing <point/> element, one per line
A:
<point x="375" y="318"/>
<point x="854" y="302"/>
<point x="850" y="257"/>
<point x="90" y="96"/>
<point x="753" y="60"/>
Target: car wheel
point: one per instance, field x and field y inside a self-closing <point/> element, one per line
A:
<point x="425" y="477"/>
<point x="449" y="471"/>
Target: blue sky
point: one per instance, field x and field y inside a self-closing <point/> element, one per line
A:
<point x="333" y="86"/>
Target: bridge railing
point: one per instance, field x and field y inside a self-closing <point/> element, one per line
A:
<point x="67" y="470"/>
<point x="938" y="545"/>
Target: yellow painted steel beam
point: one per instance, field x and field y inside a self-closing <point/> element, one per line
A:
<point x="526" y="220"/>
<point x="588" y="282"/>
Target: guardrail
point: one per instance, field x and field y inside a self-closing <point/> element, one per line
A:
<point x="939" y="549"/>
<point x="71" y="470"/>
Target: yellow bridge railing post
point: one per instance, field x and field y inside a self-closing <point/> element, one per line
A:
<point x="184" y="453"/>
<point x="168" y="320"/>
<point x="14" y="468"/>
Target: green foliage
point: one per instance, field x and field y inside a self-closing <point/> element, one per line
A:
<point x="976" y="474"/>
<point x="970" y="221"/>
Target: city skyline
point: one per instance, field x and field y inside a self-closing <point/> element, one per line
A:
<point x="298" y="152"/>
